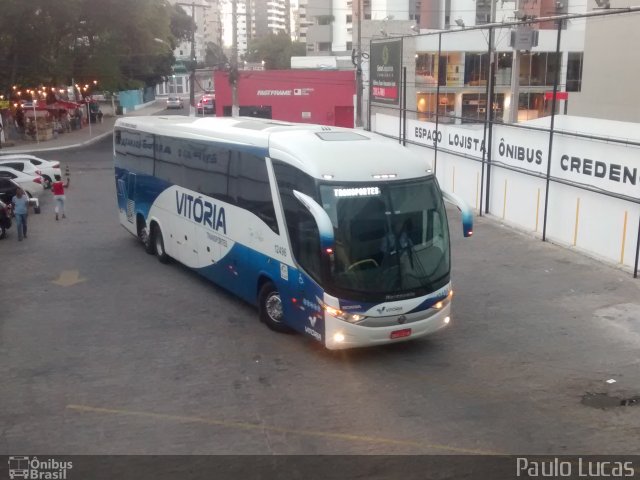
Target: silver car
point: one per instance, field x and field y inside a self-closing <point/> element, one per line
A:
<point x="174" y="102"/>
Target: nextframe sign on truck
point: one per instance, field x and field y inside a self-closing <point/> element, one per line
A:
<point x="386" y="63"/>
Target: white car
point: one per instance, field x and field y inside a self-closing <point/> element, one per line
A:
<point x="24" y="166"/>
<point x="50" y="169"/>
<point x="31" y="184"/>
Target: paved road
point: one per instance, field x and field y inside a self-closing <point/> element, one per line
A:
<point x="126" y="355"/>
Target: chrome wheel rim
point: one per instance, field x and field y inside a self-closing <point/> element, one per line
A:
<point x="273" y="307"/>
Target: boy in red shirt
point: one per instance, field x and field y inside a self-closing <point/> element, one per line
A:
<point x="57" y="188"/>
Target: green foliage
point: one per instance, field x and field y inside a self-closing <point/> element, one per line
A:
<point x="214" y="56"/>
<point x="182" y="25"/>
<point x="119" y="43"/>
<point x="275" y="50"/>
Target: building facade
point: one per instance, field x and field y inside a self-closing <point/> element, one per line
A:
<point x="609" y="70"/>
<point x="452" y="63"/>
<point x="305" y="96"/>
<point x="270" y="17"/>
<point x="208" y="17"/>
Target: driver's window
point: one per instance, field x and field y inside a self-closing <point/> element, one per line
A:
<point x="305" y="241"/>
<point x="301" y="226"/>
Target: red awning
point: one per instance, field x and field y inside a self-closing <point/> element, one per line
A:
<point x="62" y="105"/>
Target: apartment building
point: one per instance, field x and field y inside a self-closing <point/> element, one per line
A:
<point x="208" y="17"/>
<point x="270" y="16"/>
<point x="299" y="22"/>
<point x="332" y="24"/>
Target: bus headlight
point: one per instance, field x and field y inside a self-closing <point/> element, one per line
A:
<point x="344" y="316"/>
<point x="442" y="303"/>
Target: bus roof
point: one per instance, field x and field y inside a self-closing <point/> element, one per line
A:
<point x="341" y="154"/>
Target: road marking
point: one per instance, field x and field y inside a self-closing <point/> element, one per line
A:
<point x="69" y="278"/>
<point x="253" y="426"/>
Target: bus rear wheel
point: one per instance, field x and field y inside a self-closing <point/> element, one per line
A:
<point x="144" y="234"/>
<point x="270" y="305"/>
<point x="158" y="244"/>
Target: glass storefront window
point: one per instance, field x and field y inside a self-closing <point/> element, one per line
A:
<point x="476" y="69"/>
<point x="447" y="70"/>
<point x="474" y="107"/>
<point x="426" y="104"/>
<point x="574" y="71"/>
<point x="530" y="106"/>
<point x="533" y="68"/>
<point x="427" y="69"/>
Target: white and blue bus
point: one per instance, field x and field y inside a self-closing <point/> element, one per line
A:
<point x="338" y="234"/>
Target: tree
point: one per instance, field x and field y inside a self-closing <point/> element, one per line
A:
<point x="182" y="25"/>
<point x="214" y="56"/>
<point x="120" y="43"/>
<point x="275" y="50"/>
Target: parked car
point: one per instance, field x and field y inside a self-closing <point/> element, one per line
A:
<point x="207" y="104"/>
<point x="8" y="188"/>
<point x="31" y="184"/>
<point x="5" y="219"/>
<point x="174" y="102"/>
<point x="22" y="165"/>
<point x="50" y="169"/>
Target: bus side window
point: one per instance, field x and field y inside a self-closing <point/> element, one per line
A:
<point x="254" y="191"/>
<point x="303" y="233"/>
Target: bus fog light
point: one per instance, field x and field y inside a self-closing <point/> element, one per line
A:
<point x="447" y="320"/>
<point x="338" y="337"/>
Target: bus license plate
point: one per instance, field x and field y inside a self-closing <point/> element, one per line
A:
<point x="405" y="332"/>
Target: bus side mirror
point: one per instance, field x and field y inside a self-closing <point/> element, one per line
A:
<point x="325" y="227"/>
<point x="467" y="214"/>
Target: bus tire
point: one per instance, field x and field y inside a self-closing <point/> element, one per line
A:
<point x="144" y="234"/>
<point x="158" y="244"/>
<point x="270" y="306"/>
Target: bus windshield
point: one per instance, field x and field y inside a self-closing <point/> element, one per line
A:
<point x="392" y="238"/>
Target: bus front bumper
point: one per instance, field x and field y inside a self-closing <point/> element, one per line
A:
<point x="340" y="334"/>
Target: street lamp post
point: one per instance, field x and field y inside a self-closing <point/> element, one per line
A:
<point x="35" y="119"/>
<point x="88" y="114"/>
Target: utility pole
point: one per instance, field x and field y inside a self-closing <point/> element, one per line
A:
<point x="192" y="59"/>
<point x="515" y="87"/>
<point x="233" y="74"/>
<point x="515" y="79"/>
<point x="489" y="100"/>
<point x="358" y="61"/>
<point x="192" y="76"/>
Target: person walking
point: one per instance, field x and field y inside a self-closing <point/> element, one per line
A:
<point x="57" y="188"/>
<point x="20" y="203"/>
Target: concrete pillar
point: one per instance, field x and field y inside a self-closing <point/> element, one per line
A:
<point x="458" y="108"/>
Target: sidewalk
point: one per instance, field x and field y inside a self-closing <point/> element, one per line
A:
<point x="78" y="138"/>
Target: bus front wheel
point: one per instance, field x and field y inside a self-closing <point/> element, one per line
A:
<point x="270" y="305"/>
<point x="158" y="243"/>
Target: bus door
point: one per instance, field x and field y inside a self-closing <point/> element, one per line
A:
<point x="315" y="239"/>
